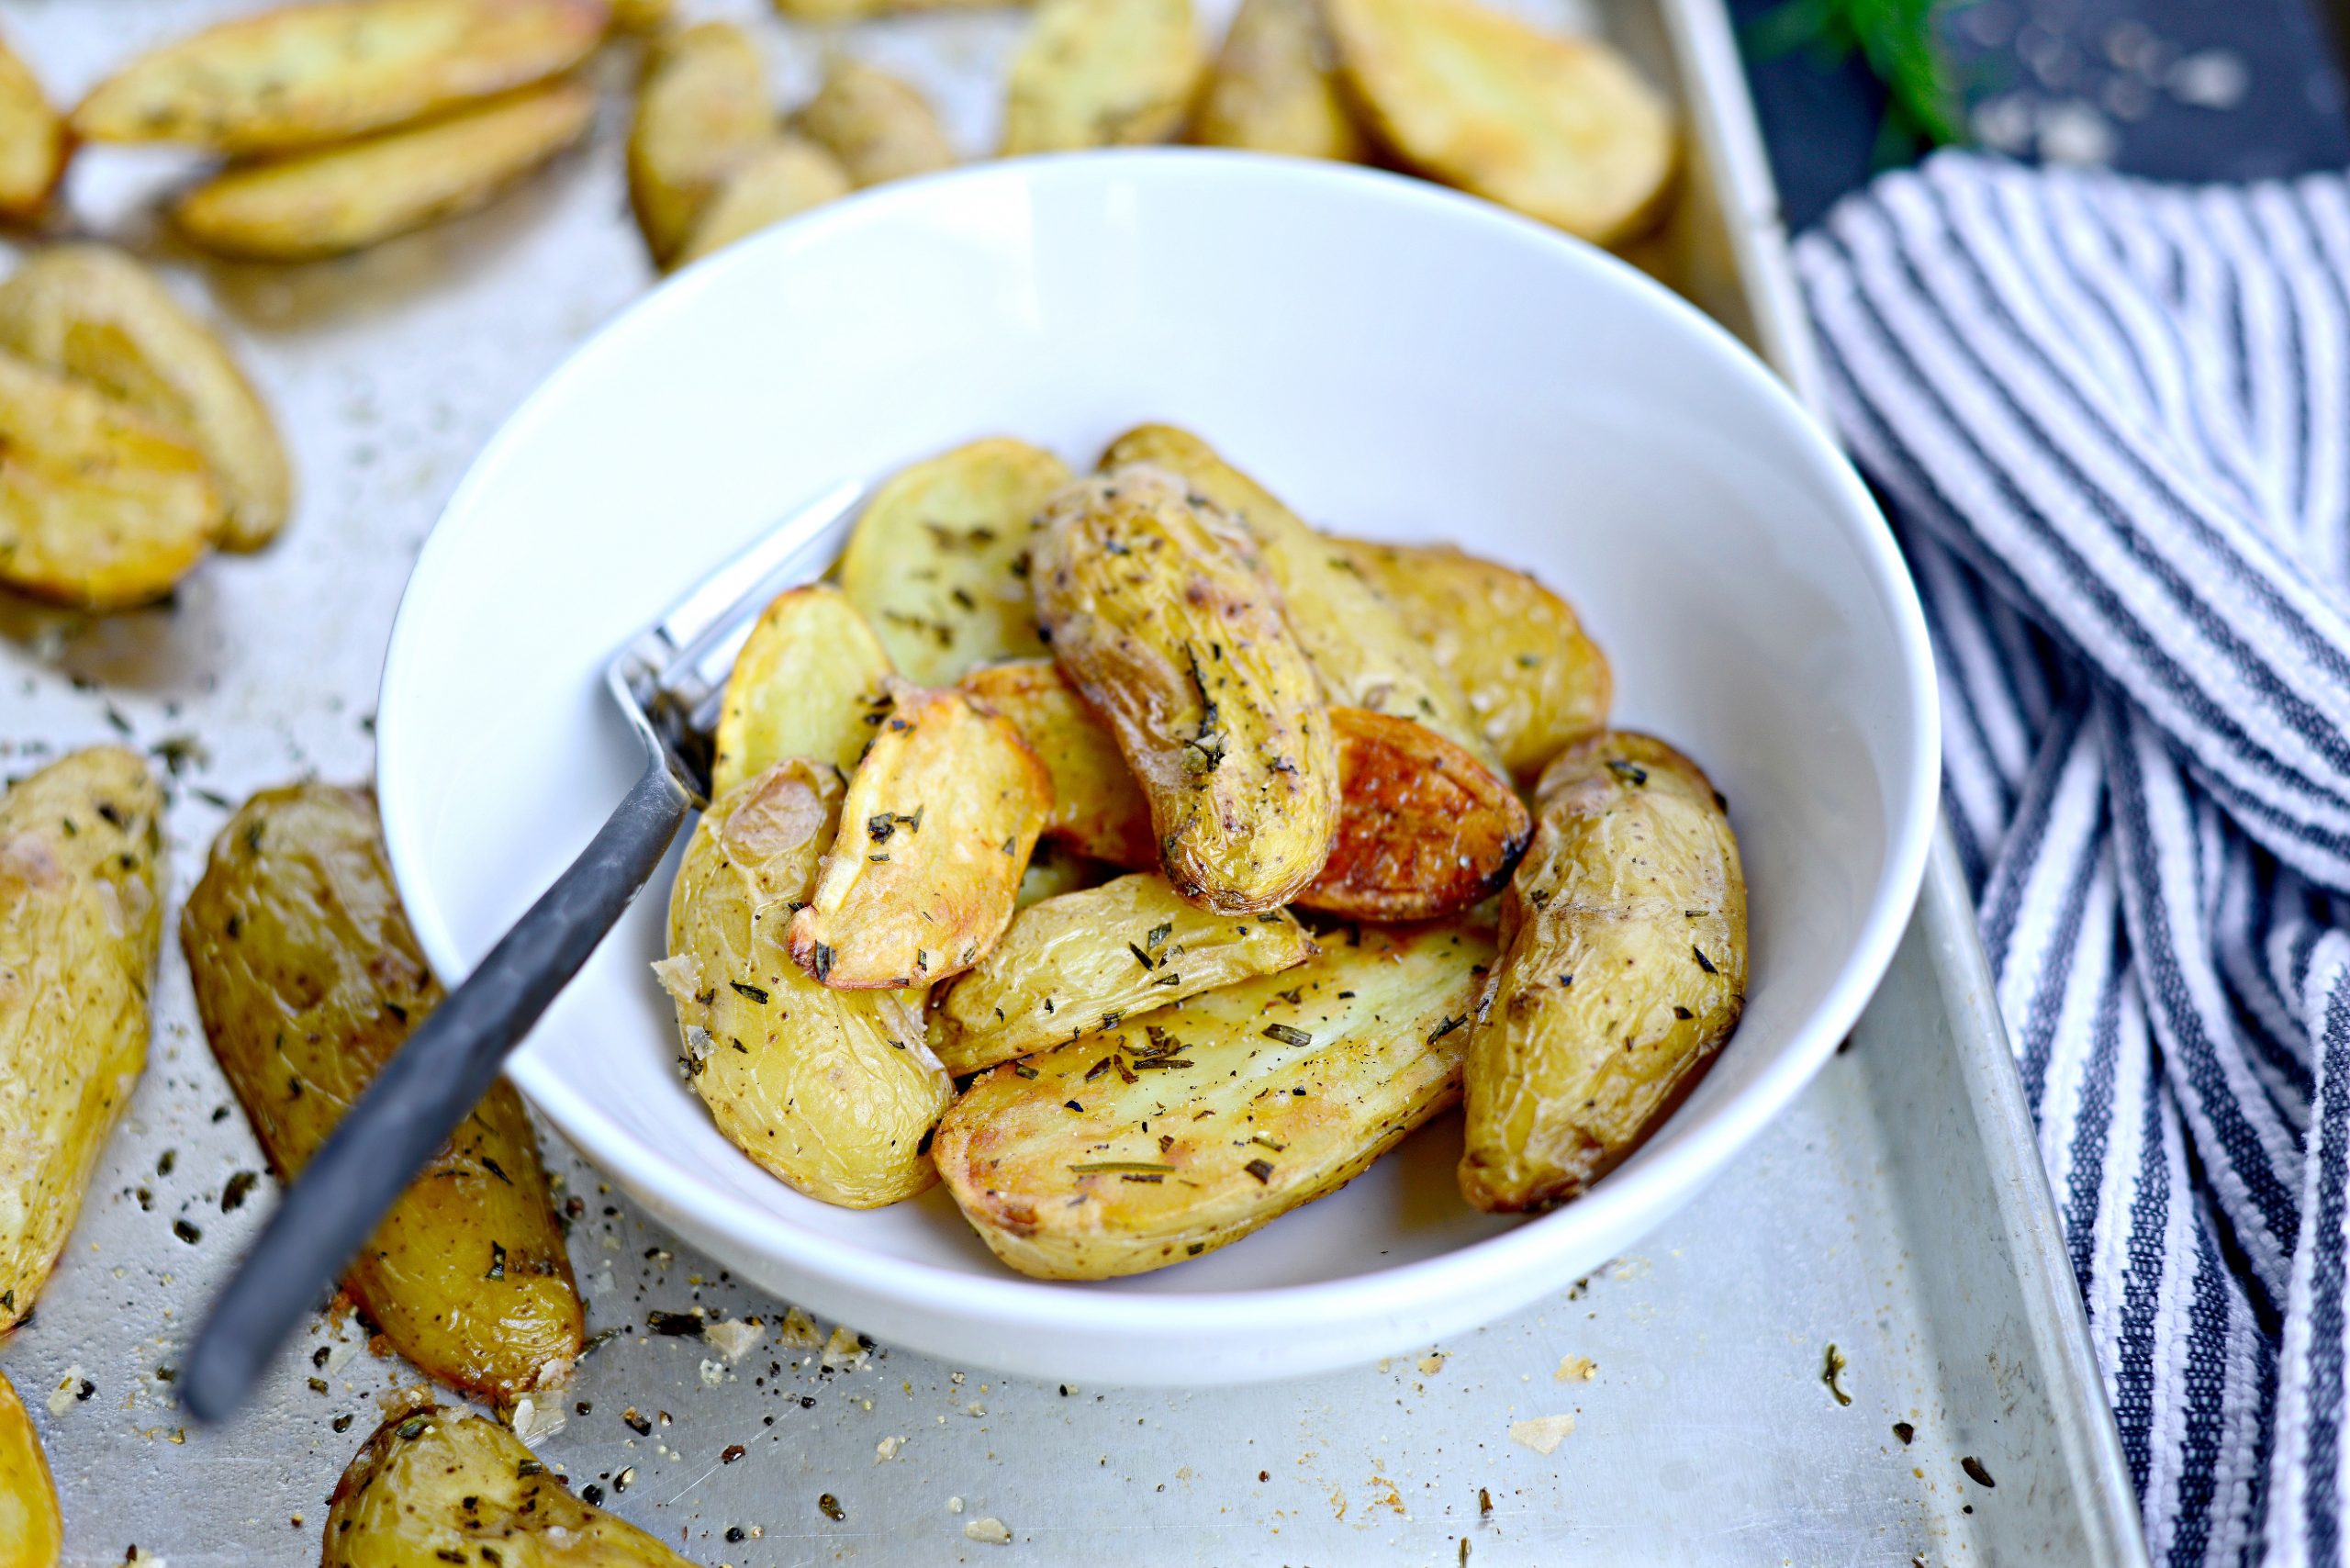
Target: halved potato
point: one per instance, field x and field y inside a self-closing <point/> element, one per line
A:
<point x="702" y="111"/>
<point x="807" y="683"/>
<point x="93" y="313"/>
<point x="643" y="15"/>
<point x="939" y="561"/>
<point x="860" y="10"/>
<point x="1424" y="829"/>
<point x="100" y="506"/>
<point x="32" y="1531"/>
<point x="1275" y="86"/>
<point x="80" y="919"/>
<point x="1098" y="809"/>
<point x="305" y="75"/>
<point x="1534" y="680"/>
<point x="346" y="198"/>
<point x="1102" y="74"/>
<point x="1563" y="129"/>
<point x="935" y="831"/>
<point x="835" y="1092"/>
<point x="788" y="177"/>
<point x="1084" y="962"/>
<point x="1623" y="969"/>
<point x="1147" y="1145"/>
<point x="878" y="125"/>
<point x="33" y="143"/>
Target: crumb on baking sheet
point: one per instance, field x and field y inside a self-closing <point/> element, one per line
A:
<point x="991" y="1529"/>
<point x="1543" y="1434"/>
<point x="1575" y="1369"/>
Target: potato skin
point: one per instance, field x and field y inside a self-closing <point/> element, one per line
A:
<point x="834" y="1092"/>
<point x="436" y="1486"/>
<point x="807" y="683"/>
<point x="935" y="831"/>
<point x="878" y="125"/>
<point x="32" y="1531"/>
<point x="308" y="979"/>
<point x="1623" y="969"/>
<point x="1160" y="616"/>
<point x="1098" y="809"/>
<point x="1424" y="829"/>
<point x="786" y="178"/>
<point x="1142" y="1147"/>
<point x="1102" y="74"/>
<point x="1534" y="681"/>
<point x="702" y="111"/>
<point x="1080" y="963"/>
<point x="34" y="145"/>
<point x="81" y="919"/>
<point x="1275" y="89"/>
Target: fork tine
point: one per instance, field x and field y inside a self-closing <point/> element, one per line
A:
<point x="789" y="550"/>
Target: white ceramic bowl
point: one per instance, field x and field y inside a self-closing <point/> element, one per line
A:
<point x="1394" y="360"/>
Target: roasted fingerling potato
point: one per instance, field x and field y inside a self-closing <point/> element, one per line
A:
<point x="32" y="1531"/>
<point x="938" y="563"/>
<point x="1275" y="89"/>
<point x="1152" y="1143"/>
<point x="1424" y="829"/>
<point x="827" y="11"/>
<point x="34" y="145"/>
<point x="1622" y="970"/>
<point x="935" y="831"/>
<point x="835" y="1092"/>
<point x="1053" y="870"/>
<point x="308" y="979"/>
<point x="302" y="76"/>
<point x="434" y="1486"/>
<point x="1102" y="74"/>
<point x="702" y="111"/>
<point x="878" y="125"/>
<point x="1098" y="809"/>
<point x="784" y="178"/>
<point x="807" y="683"/>
<point x="93" y="313"/>
<point x="80" y="919"/>
<point x="1087" y="961"/>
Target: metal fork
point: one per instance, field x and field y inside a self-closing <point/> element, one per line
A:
<point x="668" y="681"/>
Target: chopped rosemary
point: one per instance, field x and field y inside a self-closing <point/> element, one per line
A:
<point x="1159" y="934"/>
<point x="1288" y="1036"/>
<point x="1122" y="1168"/>
<point x="1630" y="772"/>
<point x="753" y="992"/>
<point x="1447" y="1027"/>
<point x="1261" y="1169"/>
<point x="1704" y="962"/>
<point x="1140" y="957"/>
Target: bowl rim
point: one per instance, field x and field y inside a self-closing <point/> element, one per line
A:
<point x="1630" y="1199"/>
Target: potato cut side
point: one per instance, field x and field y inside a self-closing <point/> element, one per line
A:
<point x="878" y="125"/>
<point x="702" y="112"/>
<point x="862" y="10"/>
<point x="785" y="178"/>
<point x="1424" y="829"/>
<point x="935" y="832"/>
<point x="1563" y="129"/>
<point x="33" y="143"/>
<point x="306" y="75"/>
<point x="1087" y="961"/>
<point x="1102" y="74"/>
<point x="1275" y="86"/>
<point x="1623" y="969"/>
<point x="346" y="198"/>
<point x="807" y="683"/>
<point x="32" y="1531"/>
<point x="1152" y="1143"/>
<point x="1098" y="809"/>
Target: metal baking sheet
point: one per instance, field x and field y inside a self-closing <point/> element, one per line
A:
<point x="1897" y="1213"/>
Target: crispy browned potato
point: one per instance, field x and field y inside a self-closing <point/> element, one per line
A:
<point x="1358" y="645"/>
<point x="1147" y="1145"/>
<point x="1098" y="809"/>
<point x="93" y="313"/>
<point x="785" y="178"/>
<point x="305" y="75"/>
<point x="939" y="560"/>
<point x="807" y="683"/>
<point x="702" y="111"/>
<point x="1102" y="74"/>
<point x="832" y="1091"/>
<point x="346" y="198"/>
<point x="1563" y="129"/>
<point x="436" y="1486"/>
<point x="1424" y="829"/>
<point x="1080" y="963"/>
<point x="1275" y="87"/>
<point x="33" y="143"/>
<point x="878" y="125"/>
<point x="32" y="1532"/>
<point x="1623" y="969"/>
<point x="1535" y="683"/>
<point x="935" y="831"/>
<point x="80" y="922"/>
<point x="1160" y="615"/>
<point x="308" y="979"/>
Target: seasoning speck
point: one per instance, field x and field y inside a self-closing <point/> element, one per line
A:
<point x="829" y="1506"/>
<point x="1975" y="1472"/>
<point x="1831" y="1370"/>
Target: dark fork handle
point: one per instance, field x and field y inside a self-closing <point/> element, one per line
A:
<point x="420" y="1096"/>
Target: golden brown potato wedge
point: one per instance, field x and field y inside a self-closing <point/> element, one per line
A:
<point x="939" y="561"/>
<point x="1623" y="969"/>
<point x="1424" y="829"/>
<point x="1160" y="615"/>
<point x="835" y="1092"/>
<point x="32" y="1531"/>
<point x="785" y="178"/>
<point x="1563" y="129"/>
<point x="93" y="313"/>
<point x="1102" y="74"/>
<point x="702" y="111"/>
<point x="1275" y="86"/>
<point x="1053" y="870"/>
<point x="311" y="205"/>
<point x="438" y="1485"/>
<point x="33" y="143"/>
<point x="1359" y="647"/>
<point x="1081" y="963"/>
<point x="935" y="831"/>
<point x="1534" y="680"/>
<point x="308" y="979"/>
<point x="80" y="922"/>
<point x="1148" y="1145"/>
<point x="878" y="125"/>
<point x="305" y="75"/>
<point x="1098" y="809"/>
<point x="807" y="683"/>
<point x="860" y="10"/>
<point x="643" y="15"/>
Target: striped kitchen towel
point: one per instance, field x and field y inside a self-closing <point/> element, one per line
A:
<point x="2111" y="422"/>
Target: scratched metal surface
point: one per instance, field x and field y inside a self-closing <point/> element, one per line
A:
<point x="1892" y="1214"/>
